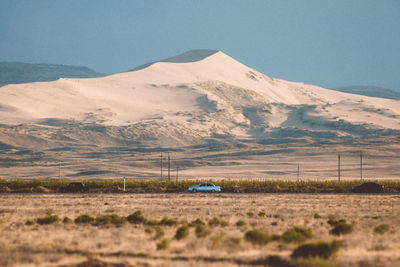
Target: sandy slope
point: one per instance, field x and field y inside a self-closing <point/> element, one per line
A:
<point x="164" y="88"/>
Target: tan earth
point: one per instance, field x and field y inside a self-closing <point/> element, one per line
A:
<point x="129" y="245"/>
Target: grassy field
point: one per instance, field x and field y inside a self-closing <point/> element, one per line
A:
<point x="229" y="186"/>
<point x="199" y="230"/>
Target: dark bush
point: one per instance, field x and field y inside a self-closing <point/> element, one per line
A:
<point x="317" y="216"/>
<point x="182" y="232"/>
<point x="151" y="222"/>
<point x="196" y="222"/>
<point x="110" y="219"/>
<point x="169" y="222"/>
<point x="342" y="228"/>
<point x="296" y="234"/>
<point x="258" y="237"/>
<point x="322" y="250"/>
<point x="163" y="245"/>
<point x="240" y="223"/>
<point x="49" y="219"/>
<point x="381" y="229"/>
<point x="30" y="222"/>
<point x="67" y="220"/>
<point x="201" y="230"/>
<point x="136" y="217"/>
<point x="217" y="222"/>
<point x="84" y="219"/>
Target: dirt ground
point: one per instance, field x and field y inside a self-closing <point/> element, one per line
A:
<point x="129" y="245"/>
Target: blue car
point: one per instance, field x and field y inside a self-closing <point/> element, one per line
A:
<point x="205" y="187"/>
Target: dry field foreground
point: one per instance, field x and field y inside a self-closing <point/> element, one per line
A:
<point x="73" y="244"/>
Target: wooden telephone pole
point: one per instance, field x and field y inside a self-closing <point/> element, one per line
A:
<point x="169" y="168"/>
<point x="338" y="166"/>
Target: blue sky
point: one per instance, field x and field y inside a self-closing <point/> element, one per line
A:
<point x="323" y="42"/>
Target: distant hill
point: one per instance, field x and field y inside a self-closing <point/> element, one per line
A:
<point x="370" y="91"/>
<point x="16" y="72"/>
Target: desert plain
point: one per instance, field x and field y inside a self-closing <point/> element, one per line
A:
<point x="73" y="244"/>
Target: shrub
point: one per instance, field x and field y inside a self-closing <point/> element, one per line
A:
<point x="317" y="216"/>
<point x="317" y="262"/>
<point x="67" y="220"/>
<point x="196" y="222"/>
<point x="250" y="214"/>
<point x="322" y="250"/>
<point x="296" y="234"/>
<point x="201" y="231"/>
<point x="149" y="230"/>
<point x="159" y="232"/>
<point x="257" y="237"/>
<point x="163" y="245"/>
<point x="151" y="222"/>
<point x="110" y="218"/>
<point x="136" y="217"/>
<point x="49" y="219"/>
<point x="342" y="228"/>
<point x="381" y="229"/>
<point x="240" y="223"/>
<point x="262" y="214"/>
<point x="334" y="222"/>
<point x="182" y="232"/>
<point x="169" y="222"/>
<point x="84" y="219"/>
<point x="217" y="222"/>
<point x="30" y="222"/>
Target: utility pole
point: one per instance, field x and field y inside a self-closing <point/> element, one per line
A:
<point x="338" y="166"/>
<point x="361" y="165"/>
<point x="177" y="173"/>
<point x="124" y="183"/>
<point x="161" y="166"/>
<point x="298" y="172"/>
<point x="59" y="167"/>
<point x="169" y="167"/>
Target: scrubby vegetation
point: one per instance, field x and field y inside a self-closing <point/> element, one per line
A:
<point x="240" y="186"/>
<point x="315" y="262"/>
<point x="84" y="219"/>
<point x="296" y="234"/>
<point x="340" y="227"/>
<point x="381" y="229"/>
<point x="201" y="230"/>
<point x="217" y="222"/>
<point x="49" y="219"/>
<point x="136" y="217"/>
<point x="110" y="219"/>
<point x="182" y="232"/>
<point x="163" y="245"/>
<point x="322" y="250"/>
<point x="258" y="237"/>
<point x="240" y="223"/>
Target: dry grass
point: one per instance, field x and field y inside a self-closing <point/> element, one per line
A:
<point x="134" y="244"/>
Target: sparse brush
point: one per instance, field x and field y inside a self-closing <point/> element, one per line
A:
<point x="84" y="219"/>
<point x="322" y="250"/>
<point x="334" y="222"/>
<point x="163" y="245"/>
<point x="196" y="222"/>
<point x="149" y="230"/>
<point x="342" y="228"/>
<point x="30" y="222"/>
<point x="234" y="240"/>
<point x="217" y="238"/>
<point x="159" y="232"/>
<point x="296" y="234"/>
<point x="110" y="219"/>
<point x="250" y="214"/>
<point x="317" y="216"/>
<point x="315" y="262"/>
<point x="49" y="219"/>
<point x="67" y="220"/>
<point x="240" y="223"/>
<point x="201" y="231"/>
<point x="262" y="214"/>
<point x="257" y="237"/>
<point x="217" y="222"/>
<point x="151" y="222"/>
<point x="169" y="222"/>
<point x="381" y="229"/>
<point x="136" y="217"/>
<point x="182" y="232"/>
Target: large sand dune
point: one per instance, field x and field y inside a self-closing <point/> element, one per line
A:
<point x="199" y="97"/>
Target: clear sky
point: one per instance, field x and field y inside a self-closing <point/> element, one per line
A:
<point x="324" y="42"/>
